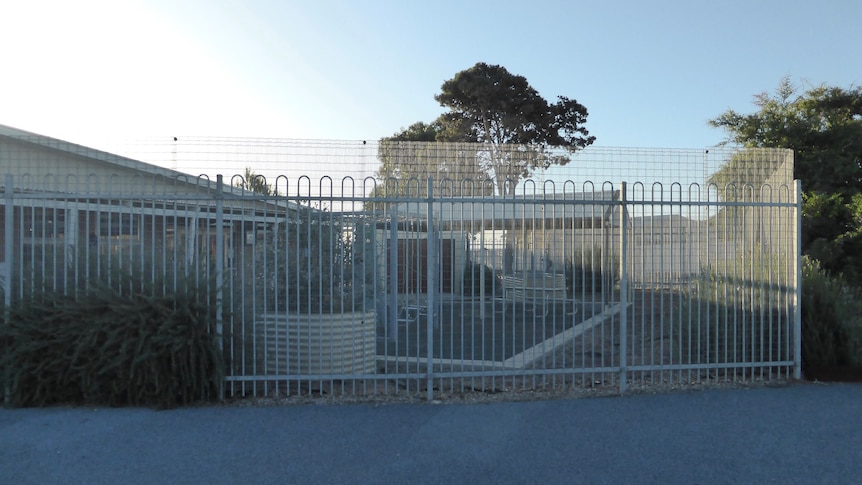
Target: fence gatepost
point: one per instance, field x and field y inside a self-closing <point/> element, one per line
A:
<point x="624" y="289"/>
<point x="797" y="282"/>
<point x="8" y="248"/>
<point x="393" y="274"/>
<point x="219" y="269"/>
<point x="8" y="241"/>
<point x="431" y="267"/>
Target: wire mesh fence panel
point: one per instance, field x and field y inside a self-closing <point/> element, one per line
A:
<point x="443" y="281"/>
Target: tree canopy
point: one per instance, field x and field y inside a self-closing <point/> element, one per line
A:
<point x="255" y="183"/>
<point x="749" y="169"/>
<point x="413" y="155"/>
<point x="823" y="126"/>
<point x="513" y="130"/>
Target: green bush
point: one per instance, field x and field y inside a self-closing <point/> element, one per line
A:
<point x="588" y="273"/>
<point x="832" y="234"/>
<point x="317" y="262"/>
<point x="735" y="316"/>
<point x="735" y="312"/>
<point x="723" y="321"/>
<point x="109" y="348"/>
<point x="473" y="280"/>
<point x="831" y="319"/>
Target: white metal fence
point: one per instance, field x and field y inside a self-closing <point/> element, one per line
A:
<point x="555" y="285"/>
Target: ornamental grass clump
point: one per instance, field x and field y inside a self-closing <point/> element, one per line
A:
<point x="111" y="349"/>
<point x="831" y="320"/>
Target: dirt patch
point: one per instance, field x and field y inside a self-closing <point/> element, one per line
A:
<point x="502" y="394"/>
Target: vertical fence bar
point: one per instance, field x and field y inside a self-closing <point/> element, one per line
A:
<point x="431" y="265"/>
<point x="8" y="240"/>
<point x="624" y="287"/>
<point x="392" y="288"/>
<point x="797" y="282"/>
<point x="219" y="269"/>
<point x="8" y="247"/>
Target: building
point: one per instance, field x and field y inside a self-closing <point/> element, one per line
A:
<point x="537" y="232"/>
<point x="69" y="211"/>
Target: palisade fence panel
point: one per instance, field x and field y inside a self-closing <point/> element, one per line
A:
<point x="364" y="286"/>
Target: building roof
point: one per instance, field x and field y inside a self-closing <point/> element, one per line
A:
<point x="90" y="154"/>
<point x="152" y="180"/>
<point x="491" y="210"/>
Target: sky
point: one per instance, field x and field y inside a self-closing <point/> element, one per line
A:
<point x="651" y="74"/>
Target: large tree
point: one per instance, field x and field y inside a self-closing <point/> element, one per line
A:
<point x="823" y="126"/>
<point x="254" y="182"/>
<point x="507" y="130"/>
<point x="408" y="158"/>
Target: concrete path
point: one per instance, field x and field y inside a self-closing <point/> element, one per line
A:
<point x="802" y="433"/>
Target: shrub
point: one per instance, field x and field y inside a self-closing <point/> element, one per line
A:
<point x="736" y="312"/>
<point x="831" y="319"/>
<point x="736" y="316"/>
<point x="587" y="272"/>
<point x="317" y="262"/>
<point x="109" y="348"/>
<point x="473" y="279"/>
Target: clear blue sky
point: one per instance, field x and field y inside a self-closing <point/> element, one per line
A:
<point x="650" y="73"/>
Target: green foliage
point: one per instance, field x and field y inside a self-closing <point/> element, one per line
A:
<point x="823" y="126"/>
<point x="491" y="108"/>
<point x="108" y="348"/>
<point x="736" y="312"/>
<point x="591" y="271"/>
<point x="831" y="319"/>
<point x="832" y="233"/>
<point x="253" y="182"/>
<point x="473" y="276"/>
<point x="739" y="313"/>
<point x="317" y="262"/>
<point x="418" y="131"/>
<point x="406" y="165"/>
<point x="488" y="104"/>
<point x="748" y="170"/>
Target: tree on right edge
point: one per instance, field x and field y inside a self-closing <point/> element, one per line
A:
<point x="823" y="127"/>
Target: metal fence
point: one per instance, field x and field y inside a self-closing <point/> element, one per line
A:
<point x="335" y="286"/>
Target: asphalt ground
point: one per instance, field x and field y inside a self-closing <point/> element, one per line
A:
<point x="507" y="329"/>
<point x="798" y="433"/>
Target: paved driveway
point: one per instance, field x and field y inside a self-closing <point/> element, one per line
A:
<point x="508" y="329"/>
<point x="802" y="433"/>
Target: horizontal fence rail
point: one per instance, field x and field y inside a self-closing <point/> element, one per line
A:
<point x="586" y="286"/>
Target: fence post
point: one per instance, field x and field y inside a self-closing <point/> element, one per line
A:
<point x="797" y="282"/>
<point x="8" y="248"/>
<point x="624" y="289"/>
<point x="431" y="267"/>
<point x="219" y="269"/>
<point x="393" y="274"/>
<point x="8" y="241"/>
